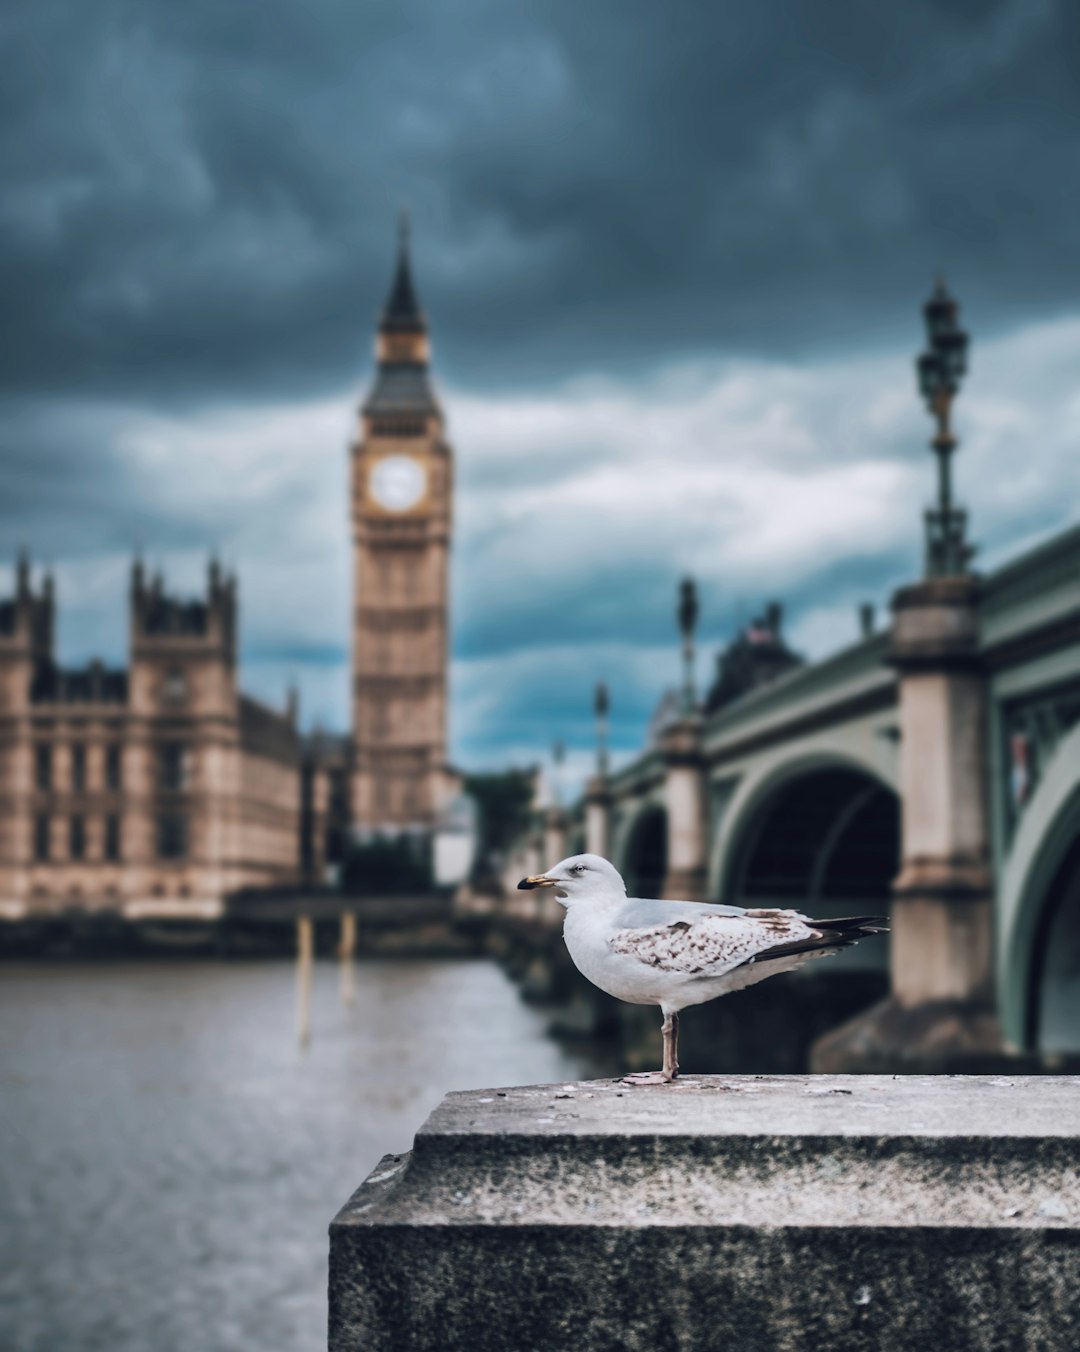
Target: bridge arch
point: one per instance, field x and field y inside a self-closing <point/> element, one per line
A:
<point x="820" y="830"/>
<point x="642" y="859"/>
<point x="1039" y="913"/>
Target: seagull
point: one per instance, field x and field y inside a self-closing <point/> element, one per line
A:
<point x="680" y="953"/>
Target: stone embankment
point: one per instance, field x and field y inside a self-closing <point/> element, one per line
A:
<point x="752" y="1212"/>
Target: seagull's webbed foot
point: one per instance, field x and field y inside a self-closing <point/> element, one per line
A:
<point x="670" y="1071"/>
<point x="647" y="1077"/>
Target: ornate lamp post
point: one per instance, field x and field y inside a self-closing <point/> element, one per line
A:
<point x="558" y="755"/>
<point x="684" y="772"/>
<point x="940" y="369"/>
<point x="602" y="706"/>
<point x="688" y="618"/>
<point x="940" y="1015"/>
<point x="598" y="789"/>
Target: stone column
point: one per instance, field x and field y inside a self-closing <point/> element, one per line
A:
<point x="749" y="1212"/>
<point x="545" y="907"/>
<point x="940" y="1013"/>
<point x="684" y="798"/>
<point x="554" y="836"/>
<point x="942" y="944"/>
<point x="598" y="816"/>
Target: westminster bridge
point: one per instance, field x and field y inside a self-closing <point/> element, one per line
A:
<point x="933" y="767"/>
<point x="931" y="770"/>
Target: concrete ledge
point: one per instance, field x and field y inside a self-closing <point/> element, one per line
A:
<point x="786" y="1212"/>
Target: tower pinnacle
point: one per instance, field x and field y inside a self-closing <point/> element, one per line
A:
<point x="402" y="349"/>
<point x="402" y="313"/>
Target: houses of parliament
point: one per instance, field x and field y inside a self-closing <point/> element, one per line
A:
<point x="161" y="789"/>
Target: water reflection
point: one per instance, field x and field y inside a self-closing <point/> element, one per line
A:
<point x="171" y="1158"/>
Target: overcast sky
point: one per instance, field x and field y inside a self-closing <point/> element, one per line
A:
<point x="672" y="256"/>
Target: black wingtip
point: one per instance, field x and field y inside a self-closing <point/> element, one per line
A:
<point x="868" y="924"/>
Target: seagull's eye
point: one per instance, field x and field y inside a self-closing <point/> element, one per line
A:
<point x="578" y="868"/>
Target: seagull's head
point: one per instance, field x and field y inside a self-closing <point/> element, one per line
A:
<point x="581" y="877"/>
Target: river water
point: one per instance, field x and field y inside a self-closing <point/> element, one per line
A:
<point x="170" y="1157"/>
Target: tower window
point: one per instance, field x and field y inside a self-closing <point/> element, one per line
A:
<point x="77" y="838"/>
<point x="43" y="766"/>
<point x="399" y="427"/>
<point x="335" y="849"/>
<point x="113" y="768"/>
<point x="112" y="838"/>
<point x="174" y="766"/>
<point x="171" y="836"/>
<point x="175" y="686"/>
<point x="41" y="838"/>
<point x="78" y="768"/>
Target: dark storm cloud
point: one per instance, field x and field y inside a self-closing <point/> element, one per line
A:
<point x="672" y="256"/>
<point x="198" y="197"/>
<point x="63" y="488"/>
<point x="637" y="597"/>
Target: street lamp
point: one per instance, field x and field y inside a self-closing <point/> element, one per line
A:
<point x="602" y="706"/>
<point x="558" y="755"/>
<point x="940" y="370"/>
<point x="688" y="617"/>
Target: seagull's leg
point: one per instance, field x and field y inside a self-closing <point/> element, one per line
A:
<point x="670" y="1030"/>
<point x="671" y="1035"/>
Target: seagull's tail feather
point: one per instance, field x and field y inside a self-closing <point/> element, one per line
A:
<point x="828" y="936"/>
<point x="820" y="943"/>
<point x="855" y="925"/>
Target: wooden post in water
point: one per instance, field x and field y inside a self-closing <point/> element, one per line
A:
<point x="347" y="952"/>
<point x="305" y="953"/>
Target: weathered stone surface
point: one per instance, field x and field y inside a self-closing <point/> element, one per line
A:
<point x="768" y="1212"/>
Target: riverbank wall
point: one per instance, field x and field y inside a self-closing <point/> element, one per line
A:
<point x="857" y="1213"/>
<point x="260" y="925"/>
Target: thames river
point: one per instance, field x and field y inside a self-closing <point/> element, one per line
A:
<point x="171" y="1157"/>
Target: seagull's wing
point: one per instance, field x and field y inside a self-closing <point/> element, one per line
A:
<point x="714" y="943"/>
<point x="642" y="912"/>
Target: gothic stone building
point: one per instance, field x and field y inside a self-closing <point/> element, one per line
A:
<point x="152" y="791"/>
<point x="161" y="790"/>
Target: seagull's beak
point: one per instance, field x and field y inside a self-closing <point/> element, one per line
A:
<point x="537" y="880"/>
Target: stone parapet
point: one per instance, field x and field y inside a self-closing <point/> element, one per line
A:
<point x="758" y="1212"/>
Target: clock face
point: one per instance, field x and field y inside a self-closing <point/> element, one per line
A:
<point x="398" y="482"/>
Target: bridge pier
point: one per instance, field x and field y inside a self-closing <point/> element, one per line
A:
<point x="684" y="798"/>
<point x="305" y="960"/>
<point x="554" y="836"/>
<point x="347" y="956"/>
<point x="940" y="1014"/>
<point x="598" y="816"/>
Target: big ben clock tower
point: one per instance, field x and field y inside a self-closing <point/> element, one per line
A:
<point x="402" y="485"/>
